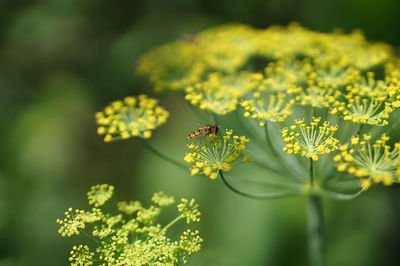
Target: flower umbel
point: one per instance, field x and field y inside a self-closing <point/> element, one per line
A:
<point x="189" y="210"/>
<point x="220" y="93"/>
<point x="129" y="239"/>
<point x="368" y="102"/>
<point x="132" y="117"/>
<point x="276" y="109"/>
<point x="81" y="255"/>
<point x="310" y="141"/>
<point x="73" y="221"/>
<point x="100" y="194"/>
<point x="370" y="162"/>
<point x="216" y="154"/>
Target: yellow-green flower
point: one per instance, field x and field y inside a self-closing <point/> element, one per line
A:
<point x="100" y="194"/>
<point x="72" y="222"/>
<point x="189" y="210"/>
<point x="332" y="74"/>
<point x="310" y="140"/>
<point x="132" y="117"/>
<point x="173" y="66"/>
<point x="352" y="49"/>
<point x="131" y="236"/>
<point x="316" y="96"/>
<point x="267" y="107"/>
<point x="216" y="154"/>
<point x="282" y="42"/>
<point x="220" y="93"/>
<point x="226" y="48"/>
<point x="162" y="200"/>
<point x="375" y="162"/>
<point x="286" y="75"/>
<point x="81" y="255"/>
<point x="392" y="70"/>
<point x="368" y="102"/>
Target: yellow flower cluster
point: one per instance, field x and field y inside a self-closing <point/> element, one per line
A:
<point x="274" y="107"/>
<point x="226" y="48"/>
<point x="100" y="194"/>
<point x="216" y="154"/>
<point x="220" y="94"/>
<point x="286" y="75"/>
<point x="173" y="66"/>
<point x="310" y="140"/>
<point x="81" y="255"/>
<point x="130" y="237"/>
<point x="132" y="117"/>
<point x="322" y="70"/>
<point x="369" y="101"/>
<point x="375" y="162"/>
<point x="316" y="96"/>
<point x="392" y="70"/>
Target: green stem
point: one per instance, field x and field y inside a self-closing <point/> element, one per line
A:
<point x="171" y="223"/>
<point x="360" y="128"/>
<point x="341" y="196"/>
<point x="314" y="223"/>
<point x="313" y="112"/>
<point x="163" y="156"/>
<point x="83" y="232"/>
<point x="311" y="172"/>
<point x="258" y="196"/>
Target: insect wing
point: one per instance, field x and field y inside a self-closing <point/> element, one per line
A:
<point x="195" y="123"/>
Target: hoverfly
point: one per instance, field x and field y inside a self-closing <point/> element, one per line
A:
<point x="204" y="130"/>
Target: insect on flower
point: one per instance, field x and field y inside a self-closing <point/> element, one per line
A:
<point x="204" y="130"/>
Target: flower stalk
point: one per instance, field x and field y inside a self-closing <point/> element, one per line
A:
<point x="162" y="156"/>
<point x="315" y="237"/>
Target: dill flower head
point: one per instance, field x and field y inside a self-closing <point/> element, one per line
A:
<point x="273" y="107"/>
<point x="100" y="194"/>
<point x="316" y="96"/>
<point x="131" y="236"/>
<point x="367" y="102"/>
<point x="216" y="154"/>
<point x="286" y="75"/>
<point x="220" y="93"/>
<point x="377" y="162"/>
<point x="162" y="200"/>
<point x="132" y="117"/>
<point x="81" y="255"/>
<point x="392" y="70"/>
<point x="73" y="221"/>
<point x="231" y="51"/>
<point x="189" y="210"/>
<point x="310" y="140"/>
<point x="173" y="67"/>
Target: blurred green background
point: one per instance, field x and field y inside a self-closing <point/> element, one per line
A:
<point x="63" y="60"/>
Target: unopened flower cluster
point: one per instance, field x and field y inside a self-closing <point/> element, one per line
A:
<point x="131" y="236"/>
<point x="215" y="154"/>
<point x="132" y="117"/>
